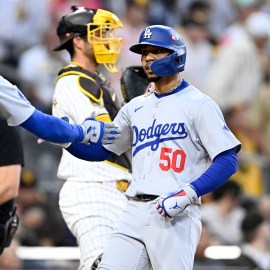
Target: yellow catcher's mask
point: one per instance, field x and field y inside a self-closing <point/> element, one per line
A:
<point x="101" y="33"/>
<point x="99" y="27"/>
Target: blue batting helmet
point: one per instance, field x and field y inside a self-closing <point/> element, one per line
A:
<point x="165" y="37"/>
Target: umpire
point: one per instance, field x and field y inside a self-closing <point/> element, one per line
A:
<point x="11" y="162"/>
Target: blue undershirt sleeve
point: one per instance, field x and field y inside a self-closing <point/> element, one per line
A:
<point x="223" y="167"/>
<point x="53" y="129"/>
<point x="89" y="152"/>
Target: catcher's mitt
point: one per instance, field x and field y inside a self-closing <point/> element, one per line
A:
<point x="133" y="82"/>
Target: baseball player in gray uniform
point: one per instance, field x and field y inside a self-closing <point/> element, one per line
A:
<point x="18" y="111"/>
<point x="181" y="150"/>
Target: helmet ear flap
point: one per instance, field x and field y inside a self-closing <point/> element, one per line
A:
<point x="174" y="64"/>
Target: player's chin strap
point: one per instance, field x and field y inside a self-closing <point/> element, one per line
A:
<point x="8" y="230"/>
<point x="96" y="262"/>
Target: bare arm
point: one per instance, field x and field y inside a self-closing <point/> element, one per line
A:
<point x="9" y="182"/>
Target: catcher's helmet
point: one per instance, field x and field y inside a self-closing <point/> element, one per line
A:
<point x="165" y="37"/>
<point x="99" y="26"/>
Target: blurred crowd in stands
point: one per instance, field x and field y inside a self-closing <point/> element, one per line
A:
<point x="228" y="53"/>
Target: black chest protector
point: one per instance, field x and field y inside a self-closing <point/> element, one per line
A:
<point x="96" y="88"/>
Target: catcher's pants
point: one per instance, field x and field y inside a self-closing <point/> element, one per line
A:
<point x="143" y="238"/>
<point x="90" y="210"/>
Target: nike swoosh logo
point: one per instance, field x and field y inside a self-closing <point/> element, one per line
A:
<point x="137" y="109"/>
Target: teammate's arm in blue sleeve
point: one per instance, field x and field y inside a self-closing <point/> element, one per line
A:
<point x="89" y="152"/>
<point x="223" y="167"/>
<point x="53" y="129"/>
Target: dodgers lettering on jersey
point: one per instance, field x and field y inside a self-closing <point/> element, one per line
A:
<point x="156" y="134"/>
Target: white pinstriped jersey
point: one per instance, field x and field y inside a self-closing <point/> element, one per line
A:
<point x="173" y="137"/>
<point x="13" y="105"/>
<point x="71" y="102"/>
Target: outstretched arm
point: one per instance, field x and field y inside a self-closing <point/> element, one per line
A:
<point x="56" y="130"/>
<point x="15" y="107"/>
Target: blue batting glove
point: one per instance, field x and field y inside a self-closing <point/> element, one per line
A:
<point x="171" y="204"/>
<point x="96" y="131"/>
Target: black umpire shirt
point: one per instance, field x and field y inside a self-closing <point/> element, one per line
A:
<point x="11" y="148"/>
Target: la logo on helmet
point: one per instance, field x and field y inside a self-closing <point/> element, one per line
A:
<point x="147" y="33"/>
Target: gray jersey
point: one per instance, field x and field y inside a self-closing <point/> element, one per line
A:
<point x="173" y="138"/>
<point x="13" y="105"/>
